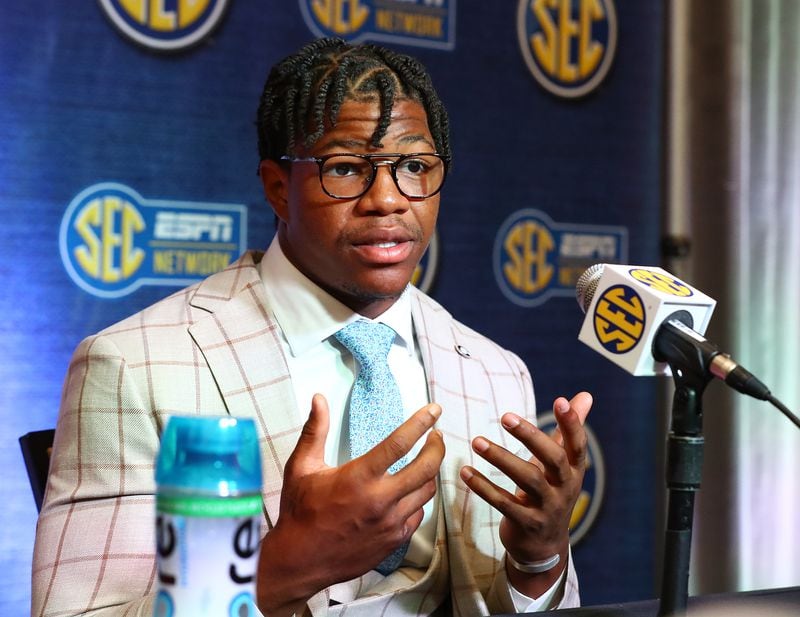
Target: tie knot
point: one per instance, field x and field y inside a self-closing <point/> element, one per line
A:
<point x="367" y="341"/>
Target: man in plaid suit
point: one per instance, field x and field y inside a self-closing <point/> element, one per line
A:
<point x="354" y="151"/>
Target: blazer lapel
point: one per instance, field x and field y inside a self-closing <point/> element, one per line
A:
<point x="241" y="345"/>
<point x="443" y="355"/>
<point x="458" y="380"/>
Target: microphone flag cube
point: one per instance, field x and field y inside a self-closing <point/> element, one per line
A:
<point x="627" y="307"/>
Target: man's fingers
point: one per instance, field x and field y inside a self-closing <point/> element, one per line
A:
<point x="414" y="485"/>
<point x="528" y="476"/>
<point x="553" y="457"/>
<point x="412" y="502"/>
<point x="424" y="468"/>
<point x="402" y="439"/>
<point x="581" y="403"/>
<point x="570" y="417"/>
<point x="504" y="502"/>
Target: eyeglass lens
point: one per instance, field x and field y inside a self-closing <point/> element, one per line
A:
<point x="348" y="176"/>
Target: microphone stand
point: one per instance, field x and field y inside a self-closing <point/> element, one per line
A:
<point x="684" y="464"/>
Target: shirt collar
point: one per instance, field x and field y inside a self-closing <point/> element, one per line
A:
<point x="308" y="315"/>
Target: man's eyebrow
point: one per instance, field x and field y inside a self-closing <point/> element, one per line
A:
<point x="411" y="139"/>
<point x="347" y="144"/>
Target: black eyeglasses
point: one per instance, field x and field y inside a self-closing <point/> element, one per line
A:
<point x="347" y="176"/>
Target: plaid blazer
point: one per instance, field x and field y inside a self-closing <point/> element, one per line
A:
<point x="214" y="348"/>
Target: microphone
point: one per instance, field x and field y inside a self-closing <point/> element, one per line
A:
<point x="646" y="320"/>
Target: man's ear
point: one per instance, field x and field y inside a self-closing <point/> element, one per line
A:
<point x="275" y="180"/>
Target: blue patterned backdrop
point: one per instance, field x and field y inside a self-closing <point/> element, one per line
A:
<point x="556" y="131"/>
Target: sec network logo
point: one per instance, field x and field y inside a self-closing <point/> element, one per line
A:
<point x="165" y="25"/>
<point x="422" y="23"/>
<point x="568" y="45"/>
<point x="112" y="240"/>
<point x="536" y="258"/>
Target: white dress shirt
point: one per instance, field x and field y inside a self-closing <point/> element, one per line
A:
<point x="308" y="318"/>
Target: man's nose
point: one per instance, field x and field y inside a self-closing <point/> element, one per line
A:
<point x="384" y="195"/>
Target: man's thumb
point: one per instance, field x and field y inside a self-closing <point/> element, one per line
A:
<point x="311" y="445"/>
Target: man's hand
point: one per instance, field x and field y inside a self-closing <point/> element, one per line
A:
<point x="535" y="522"/>
<point x="337" y="523"/>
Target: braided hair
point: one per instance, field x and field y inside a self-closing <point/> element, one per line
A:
<point x="305" y="92"/>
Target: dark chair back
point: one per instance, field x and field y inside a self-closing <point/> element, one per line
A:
<point x="36" y="447"/>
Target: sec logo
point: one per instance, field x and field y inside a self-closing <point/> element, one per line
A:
<point x="337" y="17"/>
<point x="568" y="45"/>
<point x="165" y="25"/>
<point x="619" y="319"/>
<point x="662" y="282"/>
<point x="524" y="257"/>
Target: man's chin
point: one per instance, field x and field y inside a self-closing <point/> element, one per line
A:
<point x="365" y="298"/>
<point x="368" y="295"/>
<point x="380" y="284"/>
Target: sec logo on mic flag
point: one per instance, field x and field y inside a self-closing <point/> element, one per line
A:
<point x="619" y="319"/>
<point x="662" y="282"/>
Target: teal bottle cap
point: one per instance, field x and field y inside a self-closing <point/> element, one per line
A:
<point x="213" y="455"/>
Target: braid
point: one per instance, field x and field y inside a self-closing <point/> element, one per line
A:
<point x="387" y="92"/>
<point x="305" y="92"/>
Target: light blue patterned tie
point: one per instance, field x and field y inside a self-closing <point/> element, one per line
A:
<point x="376" y="408"/>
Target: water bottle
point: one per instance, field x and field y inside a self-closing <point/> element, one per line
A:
<point x="208" y="515"/>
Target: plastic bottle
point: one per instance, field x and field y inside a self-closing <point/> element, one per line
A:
<point x="208" y="515"/>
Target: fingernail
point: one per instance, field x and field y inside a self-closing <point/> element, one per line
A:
<point x="435" y="411"/>
<point x="562" y="406"/>
<point x="479" y="444"/>
<point x="466" y="473"/>
<point x="510" y="420"/>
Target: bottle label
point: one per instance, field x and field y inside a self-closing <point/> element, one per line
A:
<point x="207" y="551"/>
<point x="215" y="507"/>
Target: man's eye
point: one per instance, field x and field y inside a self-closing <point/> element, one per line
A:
<point x="413" y="166"/>
<point x="346" y="167"/>
<point x="342" y="169"/>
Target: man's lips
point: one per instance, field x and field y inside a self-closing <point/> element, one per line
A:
<point x="384" y="253"/>
<point x="384" y="247"/>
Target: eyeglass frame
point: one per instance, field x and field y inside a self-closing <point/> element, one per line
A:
<point x="321" y="160"/>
